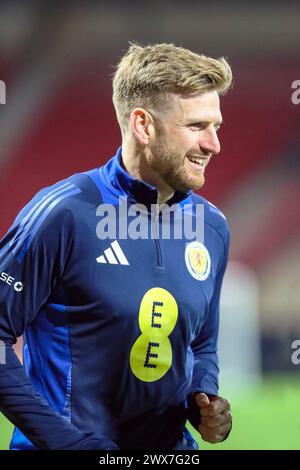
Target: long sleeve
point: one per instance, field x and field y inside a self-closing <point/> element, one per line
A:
<point x="33" y="256"/>
<point x="204" y="347"/>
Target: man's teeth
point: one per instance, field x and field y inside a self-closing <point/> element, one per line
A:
<point x="199" y="162"/>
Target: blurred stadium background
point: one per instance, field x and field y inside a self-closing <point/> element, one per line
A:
<point x="56" y="59"/>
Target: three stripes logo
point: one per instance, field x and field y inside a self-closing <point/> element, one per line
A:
<point x="113" y="255"/>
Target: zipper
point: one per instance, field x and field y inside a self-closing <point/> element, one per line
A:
<point x="159" y="262"/>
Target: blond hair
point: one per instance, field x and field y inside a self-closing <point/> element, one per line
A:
<point x="145" y="77"/>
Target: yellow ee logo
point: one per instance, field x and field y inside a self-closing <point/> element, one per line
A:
<point x="151" y="354"/>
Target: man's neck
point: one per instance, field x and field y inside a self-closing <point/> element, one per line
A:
<point x="162" y="198"/>
<point x="136" y="167"/>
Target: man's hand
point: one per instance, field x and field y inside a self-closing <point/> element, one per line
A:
<point x="216" y="418"/>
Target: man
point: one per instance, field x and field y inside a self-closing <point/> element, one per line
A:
<point x="120" y="334"/>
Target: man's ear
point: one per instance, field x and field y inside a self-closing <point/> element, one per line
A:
<point x="142" y="126"/>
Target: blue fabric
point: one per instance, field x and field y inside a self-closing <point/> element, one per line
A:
<point x="97" y="372"/>
<point x="187" y="442"/>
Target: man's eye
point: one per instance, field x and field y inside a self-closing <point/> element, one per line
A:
<point x="196" y="126"/>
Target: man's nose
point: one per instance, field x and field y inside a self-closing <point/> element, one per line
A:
<point x="209" y="142"/>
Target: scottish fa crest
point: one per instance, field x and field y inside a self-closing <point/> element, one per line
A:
<point x="197" y="260"/>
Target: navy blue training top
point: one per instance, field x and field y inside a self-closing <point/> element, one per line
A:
<point x="117" y="331"/>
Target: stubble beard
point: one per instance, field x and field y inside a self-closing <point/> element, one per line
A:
<point x="170" y="165"/>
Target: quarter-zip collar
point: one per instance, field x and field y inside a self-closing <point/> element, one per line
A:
<point x="136" y="190"/>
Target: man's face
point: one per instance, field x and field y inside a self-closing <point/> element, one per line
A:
<point x="186" y="140"/>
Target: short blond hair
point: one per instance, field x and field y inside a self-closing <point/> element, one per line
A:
<point x="146" y="75"/>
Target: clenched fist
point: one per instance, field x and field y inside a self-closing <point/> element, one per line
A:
<point x="215" y="417"/>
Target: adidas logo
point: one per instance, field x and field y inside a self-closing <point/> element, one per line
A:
<point x="113" y="255"/>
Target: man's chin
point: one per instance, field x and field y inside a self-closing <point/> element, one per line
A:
<point x="191" y="185"/>
<point x="195" y="185"/>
